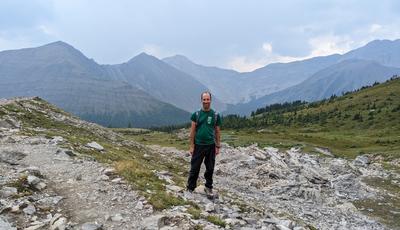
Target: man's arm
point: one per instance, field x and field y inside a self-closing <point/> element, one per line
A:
<point x="217" y="139"/>
<point x="191" y="137"/>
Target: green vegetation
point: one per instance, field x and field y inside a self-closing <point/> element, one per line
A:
<point x="364" y="121"/>
<point x="22" y="186"/>
<point x="195" y="212"/>
<point x="387" y="207"/>
<point x="216" y="220"/>
<point x="155" y="138"/>
<point x="135" y="163"/>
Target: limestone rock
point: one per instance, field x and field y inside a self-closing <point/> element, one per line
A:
<point x="8" y="191"/>
<point x="95" y="145"/>
<point x="91" y="226"/>
<point x="4" y="225"/>
<point x="29" y="210"/>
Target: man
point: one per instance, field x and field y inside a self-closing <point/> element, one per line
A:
<point x="205" y="143"/>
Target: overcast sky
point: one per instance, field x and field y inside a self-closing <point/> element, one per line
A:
<point x="242" y="35"/>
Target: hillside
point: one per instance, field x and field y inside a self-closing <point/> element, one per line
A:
<point x="363" y="121"/>
<point x="60" y="172"/>
<point x="345" y="76"/>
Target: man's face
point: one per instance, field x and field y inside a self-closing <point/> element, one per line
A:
<point x="206" y="100"/>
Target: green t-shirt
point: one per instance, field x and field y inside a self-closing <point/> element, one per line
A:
<point x="205" y="130"/>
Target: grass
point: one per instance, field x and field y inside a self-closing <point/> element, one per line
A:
<point x="386" y="208"/>
<point x="195" y="212"/>
<point x="347" y="144"/>
<point x="216" y="220"/>
<point x="129" y="161"/>
<point x="155" y="138"/>
<point x="366" y="121"/>
<point x="22" y="186"/>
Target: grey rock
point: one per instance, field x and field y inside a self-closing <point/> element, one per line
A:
<point x="8" y="191"/>
<point x="6" y="124"/>
<point x="95" y="145"/>
<point x="11" y="157"/>
<point x="286" y="223"/>
<point x="91" y="226"/>
<point x="103" y="178"/>
<point x="117" y="218"/>
<point x="4" y="225"/>
<point x="49" y="201"/>
<point x="139" y="206"/>
<point x="58" y="222"/>
<point x="299" y="228"/>
<point x="174" y="188"/>
<point x="16" y="208"/>
<point x="56" y="140"/>
<point x="29" y="210"/>
<point x="209" y="207"/>
<point x="33" y="180"/>
<point x="109" y="171"/>
<point x="117" y="180"/>
<point x="282" y="227"/>
<point x="362" y="161"/>
<point x="40" y="186"/>
<point x="35" y="226"/>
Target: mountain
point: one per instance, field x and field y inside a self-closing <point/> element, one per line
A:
<point x="278" y="76"/>
<point x="62" y="75"/>
<point x="372" y="107"/>
<point x="345" y="76"/>
<point x="222" y="82"/>
<point x="233" y="87"/>
<point x="162" y="81"/>
<point x="385" y="52"/>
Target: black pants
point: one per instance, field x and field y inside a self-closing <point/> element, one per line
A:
<point x="200" y="153"/>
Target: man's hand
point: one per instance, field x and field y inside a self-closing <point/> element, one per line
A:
<point x="191" y="150"/>
<point x="216" y="150"/>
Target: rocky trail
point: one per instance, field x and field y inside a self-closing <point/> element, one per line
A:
<point x="47" y="184"/>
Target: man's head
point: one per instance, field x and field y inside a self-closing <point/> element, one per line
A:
<point x="206" y="100"/>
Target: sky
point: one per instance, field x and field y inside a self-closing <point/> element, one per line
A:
<point x="241" y="35"/>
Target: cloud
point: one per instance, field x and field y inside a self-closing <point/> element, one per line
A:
<point x="248" y="63"/>
<point x="46" y="30"/>
<point x="319" y="46"/>
<point x="329" y="44"/>
<point x="375" y="28"/>
<point x="267" y="47"/>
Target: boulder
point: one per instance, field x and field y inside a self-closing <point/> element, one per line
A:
<point x="95" y="145"/>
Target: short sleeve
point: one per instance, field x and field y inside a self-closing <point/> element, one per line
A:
<point x="193" y="117"/>
<point x="219" y="120"/>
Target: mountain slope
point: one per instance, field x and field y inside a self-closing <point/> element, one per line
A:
<point x="162" y="81"/>
<point x="385" y="52"/>
<point x="374" y="107"/>
<point x="62" y="75"/>
<point x="364" y="121"/>
<point x="222" y="82"/>
<point x="336" y="79"/>
<point x="278" y="76"/>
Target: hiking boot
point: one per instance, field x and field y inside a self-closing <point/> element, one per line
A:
<point x="209" y="192"/>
